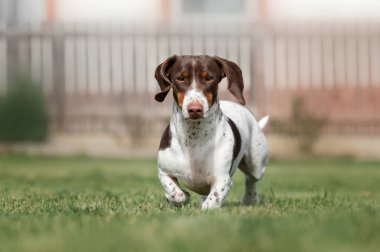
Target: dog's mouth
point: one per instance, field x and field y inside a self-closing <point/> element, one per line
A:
<point x="195" y="117"/>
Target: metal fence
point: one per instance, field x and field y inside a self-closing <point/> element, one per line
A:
<point x="335" y="67"/>
<point x="95" y="76"/>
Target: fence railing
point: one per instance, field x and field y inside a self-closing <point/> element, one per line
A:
<point x="335" y="67"/>
<point x="96" y="75"/>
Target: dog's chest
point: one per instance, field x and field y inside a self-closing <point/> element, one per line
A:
<point x="196" y="156"/>
<point x="193" y="166"/>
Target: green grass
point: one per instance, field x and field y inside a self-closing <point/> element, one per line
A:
<point x="78" y="203"/>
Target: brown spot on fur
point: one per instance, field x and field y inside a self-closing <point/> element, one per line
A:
<point x="166" y="138"/>
<point x="216" y="194"/>
<point x="234" y="76"/>
<point x="205" y="66"/>
<point x="179" y="98"/>
<point x="237" y="138"/>
<point x="209" y="97"/>
<point x="204" y="74"/>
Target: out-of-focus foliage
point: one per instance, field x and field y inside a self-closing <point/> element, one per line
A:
<point x="23" y="115"/>
<point x="305" y="126"/>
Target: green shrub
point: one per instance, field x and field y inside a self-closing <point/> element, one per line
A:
<point x="303" y="125"/>
<point x="23" y="115"/>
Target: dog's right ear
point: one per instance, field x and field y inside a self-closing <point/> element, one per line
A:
<point x="162" y="77"/>
<point x="234" y="76"/>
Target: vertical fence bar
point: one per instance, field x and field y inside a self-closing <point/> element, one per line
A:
<point x="299" y="58"/>
<point x="98" y="58"/>
<point x="122" y="62"/>
<point x="12" y="57"/>
<point x="334" y="60"/>
<point x="369" y="58"/>
<point x="59" y="80"/>
<point x="345" y="59"/>
<point x="3" y="64"/>
<point x="275" y="79"/>
<point x="322" y="46"/>
<point x="286" y="55"/>
<point x="310" y="58"/>
<point x="111" y="70"/>
<point x="87" y="61"/>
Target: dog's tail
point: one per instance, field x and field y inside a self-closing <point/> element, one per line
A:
<point x="263" y="121"/>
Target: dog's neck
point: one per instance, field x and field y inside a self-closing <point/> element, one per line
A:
<point x="192" y="132"/>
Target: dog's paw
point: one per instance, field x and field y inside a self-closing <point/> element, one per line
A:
<point x="179" y="198"/>
<point x="251" y="200"/>
<point x="210" y="203"/>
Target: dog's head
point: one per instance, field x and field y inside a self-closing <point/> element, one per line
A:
<point x="195" y="80"/>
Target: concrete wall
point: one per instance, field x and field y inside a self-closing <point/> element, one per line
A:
<point x="363" y="147"/>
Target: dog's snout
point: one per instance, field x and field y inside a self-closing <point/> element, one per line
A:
<point x="195" y="110"/>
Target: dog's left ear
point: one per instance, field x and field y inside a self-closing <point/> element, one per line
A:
<point x="234" y="76"/>
<point x="162" y="77"/>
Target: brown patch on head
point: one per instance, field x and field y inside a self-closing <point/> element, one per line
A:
<point x="185" y="74"/>
<point x="234" y="76"/>
<point x="203" y="70"/>
<point x="208" y="77"/>
<point x="204" y="74"/>
<point x="178" y="97"/>
<point x="210" y="98"/>
<point x="161" y="75"/>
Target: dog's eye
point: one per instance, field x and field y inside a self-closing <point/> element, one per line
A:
<point x="209" y="78"/>
<point x="180" y="78"/>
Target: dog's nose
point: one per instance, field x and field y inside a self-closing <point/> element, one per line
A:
<point x="195" y="110"/>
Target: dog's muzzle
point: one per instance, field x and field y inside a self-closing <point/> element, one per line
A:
<point x="195" y="110"/>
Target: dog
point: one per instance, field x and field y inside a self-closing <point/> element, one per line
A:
<point x="207" y="139"/>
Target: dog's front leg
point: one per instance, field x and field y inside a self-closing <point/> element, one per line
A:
<point x="218" y="193"/>
<point x="173" y="193"/>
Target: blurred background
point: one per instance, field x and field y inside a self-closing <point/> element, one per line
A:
<point x="76" y="77"/>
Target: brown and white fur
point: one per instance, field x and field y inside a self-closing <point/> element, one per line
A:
<point x="207" y="139"/>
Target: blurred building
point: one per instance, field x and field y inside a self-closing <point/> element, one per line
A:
<point x="39" y="11"/>
<point x="16" y="12"/>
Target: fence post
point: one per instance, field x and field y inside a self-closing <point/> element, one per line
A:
<point x="59" y="79"/>
<point x="253" y="69"/>
<point x="12" y="58"/>
<point x="256" y="58"/>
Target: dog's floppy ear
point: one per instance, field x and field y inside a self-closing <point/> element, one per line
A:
<point x="234" y="76"/>
<point x="161" y="75"/>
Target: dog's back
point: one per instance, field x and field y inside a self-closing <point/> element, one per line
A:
<point x="253" y="140"/>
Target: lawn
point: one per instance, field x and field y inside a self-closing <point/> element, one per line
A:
<point x="79" y="203"/>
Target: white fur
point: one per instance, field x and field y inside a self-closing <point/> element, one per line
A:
<point x="263" y="121"/>
<point x="194" y="95"/>
<point x="201" y="154"/>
